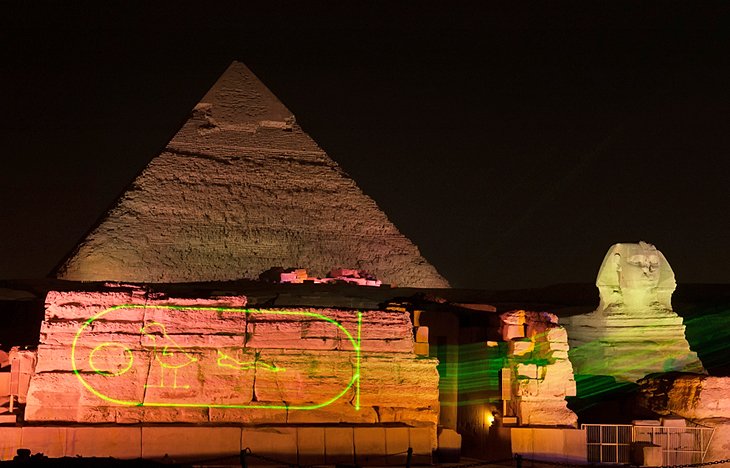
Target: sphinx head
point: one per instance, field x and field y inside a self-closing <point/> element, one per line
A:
<point x="635" y="276"/>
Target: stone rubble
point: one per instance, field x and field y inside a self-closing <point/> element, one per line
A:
<point x="541" y="373"/>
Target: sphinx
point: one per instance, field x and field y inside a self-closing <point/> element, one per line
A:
<point x="634" y="331"/>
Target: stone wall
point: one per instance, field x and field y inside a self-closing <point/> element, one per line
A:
<point x="160" y="359"/>
<point x="289" y="445"/>
<point x="541" y="373"/>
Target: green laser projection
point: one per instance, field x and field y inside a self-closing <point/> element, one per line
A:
<point x="225" y="360"/>
<point x="153" y="352"/>
<point x="172" y="355"/>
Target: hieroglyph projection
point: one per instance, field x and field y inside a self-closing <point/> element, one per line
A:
<point x="180" y="372"/>
<point x="128" y="355"/>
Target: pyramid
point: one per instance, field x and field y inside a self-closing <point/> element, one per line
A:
<point x="238" y="190"/>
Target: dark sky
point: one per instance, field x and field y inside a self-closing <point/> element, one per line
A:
<point x="512" y="144"/>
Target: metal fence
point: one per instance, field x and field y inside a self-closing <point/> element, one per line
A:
<point x="611" y="443"/>
<point x="608" y="443"/>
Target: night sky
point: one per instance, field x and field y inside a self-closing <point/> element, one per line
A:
<point x="513" y="145"/>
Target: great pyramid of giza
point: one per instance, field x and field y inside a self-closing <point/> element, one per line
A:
<point x="238" y="190"/>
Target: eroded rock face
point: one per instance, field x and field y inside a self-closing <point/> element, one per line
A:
<point x="634" y="331"/>
<point x="239" y="190"/>
<point x="701" y="399"/>
<point x="127" y="358"/>
<point x="542" y="375"/>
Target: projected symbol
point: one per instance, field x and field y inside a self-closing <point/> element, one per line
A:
<point x="111" y="359"/>
<point x="167" y="353"/>
<point x="225" y="360"/>
<point x="117" y="375"/>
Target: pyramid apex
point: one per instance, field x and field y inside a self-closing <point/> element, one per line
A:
<point x="239" y="99"/>
<point x="237" y="191"/>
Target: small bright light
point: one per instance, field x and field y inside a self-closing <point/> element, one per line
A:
<point x="488" y="418"/>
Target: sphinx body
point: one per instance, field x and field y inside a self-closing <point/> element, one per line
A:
<point x="634" y="331"/>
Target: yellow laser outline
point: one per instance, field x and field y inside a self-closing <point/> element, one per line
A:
<point x="354" y="381"/>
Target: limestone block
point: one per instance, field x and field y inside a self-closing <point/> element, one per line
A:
<point x="117" y="442"/>
<point x="421" y="334"/>
<point x="247" y="415"/>
<point x="405" y="345"/>
<point x="511" y="332"/>
<point x="527" y="388"/>
<point x="164" y="414"/>
<point x="520" y="347"/>
<point x="10" y="439"/>
<point x="411" y="416"/>
<point x="674" y="422"/>
<point x="570" y="388"/>
<point x="369" y="445"/>
<point x="386" y="381"/>
<point x="279" y="443"/>
<point x="574" y="445"/>
<point x="342" y="411"/>
<point x="423" y="440"/>
<point x="396" y="445"/>
<point x="449" y="446"/>
<point x="190" y="442"/>
<point x="652" y="456"/>
<point x="531" y="371"/>
<point x="50" y="441"/>
<point x="556" y="335"/>
<point x="339" y="445"/>
<point x="559" y="349"/>
<point x="311" y="445"/>
<point x="546" y="412"/>
<point x="308" y="378"/>
<point x="421" y="349"/>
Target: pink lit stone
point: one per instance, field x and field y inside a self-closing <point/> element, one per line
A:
<point x="188" y="365"/>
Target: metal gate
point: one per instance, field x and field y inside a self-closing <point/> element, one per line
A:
<point x="608" y="443"/>
<point x="611" y="443"/>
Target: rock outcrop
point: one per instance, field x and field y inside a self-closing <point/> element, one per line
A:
<point x="238" y="190"/>
<point x="634" y="331"/>
<point x="121" y="357"/>
<point x="701" y="399"/>
<point x="541" y="373"/>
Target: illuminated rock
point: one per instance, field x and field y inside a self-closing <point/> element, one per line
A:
<point x="541" y="374"/>
<point x="238" y="190"/>
<point x="634" y="331"/>
<point x="701" y="399"/>
<point x="129" y="357"/>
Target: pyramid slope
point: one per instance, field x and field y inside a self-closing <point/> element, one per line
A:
<point x="238" y="190"/>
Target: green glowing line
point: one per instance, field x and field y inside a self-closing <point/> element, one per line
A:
<point x="357" y="361"/>
<point x="355" y="380"/>
<point x="247" y="365"/>
<point x="116" y="345"/>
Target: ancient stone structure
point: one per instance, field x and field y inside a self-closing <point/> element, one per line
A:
<point x="701" y="399"/>
<point x="241" y="189"/>
<point x="540" y="372"/>
<point x="634" y="331"/>
<point x="126" y="357"/>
